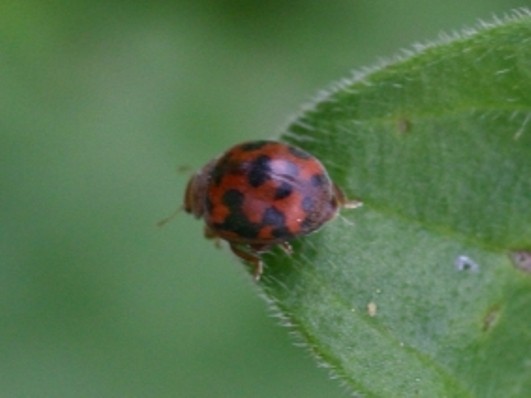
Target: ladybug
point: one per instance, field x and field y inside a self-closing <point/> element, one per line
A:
<point x="262" y="194"/>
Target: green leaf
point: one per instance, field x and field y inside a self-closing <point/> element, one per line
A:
<point x="417" y="293"/>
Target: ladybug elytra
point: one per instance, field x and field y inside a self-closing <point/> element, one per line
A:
<point x="262" y="194"/>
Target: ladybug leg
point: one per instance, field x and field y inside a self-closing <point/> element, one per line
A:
<point x="342" y="199"/>
<point x="209" y="234"/>
<point x="259" y="247"/>
<point x="286" y="248"/>
<point x="253" y="258"/>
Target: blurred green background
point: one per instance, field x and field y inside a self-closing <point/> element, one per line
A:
<point x="100" y="103"/>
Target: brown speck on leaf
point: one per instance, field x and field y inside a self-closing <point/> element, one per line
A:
<point x="403" y="125"/>
<point x="521" y="260"/>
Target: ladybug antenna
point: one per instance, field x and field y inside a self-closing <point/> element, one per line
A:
<point x="175" y="213"/>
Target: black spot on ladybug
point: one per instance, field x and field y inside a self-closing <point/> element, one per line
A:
<point x="236" y="221"/>
<point x="282" y="233"/>
<point x="299" y="153"/>
<point x="308" y="204"/>
<point x="217" y="175"/>
<point x="273" y="217"/>
<point x="318" y="180"/>
<point x="259" y="171"/>
<point x="233" y="199"/>
<point x="253" y="146"/>
<point x="220" y="170"/>
<point x="283" y="191"/>
<point x="239" y="224"/>
<point x="208" y="205"/>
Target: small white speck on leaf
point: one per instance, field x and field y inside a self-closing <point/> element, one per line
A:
<point x="465" y="263"/>
<point x="371" y="308"/>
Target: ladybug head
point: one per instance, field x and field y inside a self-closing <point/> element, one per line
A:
<point x="196" y="191"/>
<point x="194" y="196"/>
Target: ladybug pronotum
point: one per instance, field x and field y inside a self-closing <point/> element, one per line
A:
<point x="261" y="194"/>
